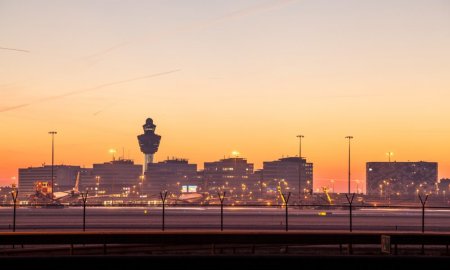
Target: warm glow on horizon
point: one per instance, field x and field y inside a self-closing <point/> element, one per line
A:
<point x="222" y="74"/>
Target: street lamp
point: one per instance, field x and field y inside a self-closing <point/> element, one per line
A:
<point x="300" y="167"/>
<point x="112" y="152"/>
<point x="389" y="154"/>
<point x="142" y="177"/>
<point x="53" y="133"/>
<point x="97" y="178"/>
<point x="349" y="138"/>
<point x="332" y="184"/>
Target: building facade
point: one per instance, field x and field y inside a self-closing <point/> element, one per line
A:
<point x="443" y="186"/>
<point x="117" y="176"/>
<point x="233" y="175"/>
<point x="401" y="178"/>
<point x="284" y="173"/>
<point x="172" y="175"/>
<point x="64" y="178"/>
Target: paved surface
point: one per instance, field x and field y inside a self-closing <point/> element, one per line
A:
<point x="208" y="218"/>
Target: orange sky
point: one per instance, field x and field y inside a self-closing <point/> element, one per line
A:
<point x="242" y="75"/>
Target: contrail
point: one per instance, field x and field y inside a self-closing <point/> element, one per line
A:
<point x="250" y="10"/>
<point x="12" y="49"/>
<point x="89" y="89"/>
<point x="110" y="84"/>
<point x="202" y="25"/>
<point x="11" y="108"/>
<point x="104" y="108"/>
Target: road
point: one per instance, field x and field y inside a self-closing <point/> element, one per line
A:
<point x="208" y="218"/>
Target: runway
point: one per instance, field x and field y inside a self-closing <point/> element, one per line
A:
<point x="234" y="218"/>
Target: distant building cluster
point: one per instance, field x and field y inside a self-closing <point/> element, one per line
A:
<point x="401" y="178"/>
<point x="234" y="176"/>
<point x="123" y="178"/>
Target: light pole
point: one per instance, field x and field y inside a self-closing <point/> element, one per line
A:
<point x="300" y="167"/>
<point x="112" y="152"/>
<point x="53" y="133"/>
<point x="349" y="138"/>
<point x="389" y="154"/>
<point x="142" y="177"/>
<point x="97" y="177"/>
<point x="332" y="184"/>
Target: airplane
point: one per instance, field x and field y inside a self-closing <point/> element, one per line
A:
<point x="43" y="193"/>
<point x="74" y="193"/>
<point x="189" y="198"/>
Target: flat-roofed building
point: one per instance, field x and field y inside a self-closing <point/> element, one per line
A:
<point x="284" y="172"/>
<point x="64" y="178"/>
<point x="233" y="175"/>
<point x="173" y="175"/>
<point x="401" y="178"/>
<point x="117" y="176"/>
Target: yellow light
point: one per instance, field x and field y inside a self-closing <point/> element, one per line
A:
<point x="235" y="153"/>
<point x="322" y="213"/>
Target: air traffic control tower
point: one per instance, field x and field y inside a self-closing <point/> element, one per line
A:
<point x="149" y="142"/>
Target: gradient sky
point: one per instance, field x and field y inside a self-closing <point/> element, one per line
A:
<point x="241" y="75"/>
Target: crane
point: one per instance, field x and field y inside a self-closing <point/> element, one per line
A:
<point x="325" y="190"/>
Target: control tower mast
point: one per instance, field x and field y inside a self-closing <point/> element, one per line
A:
<point x="149" y="142"/>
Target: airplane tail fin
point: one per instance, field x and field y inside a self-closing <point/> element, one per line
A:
<point x="77" y="182"/>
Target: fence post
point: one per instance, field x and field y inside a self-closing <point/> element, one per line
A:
<point x="221" y="198"/>
<point x="163" y="199"/>
<point x="14" y="194"/>
<point x="423" y="202"/>
<point x="286" y="200"/>
<point x="350" y="202"/>
<point x="84" y="197"/>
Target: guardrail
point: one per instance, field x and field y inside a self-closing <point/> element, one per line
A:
<point x="217" y="239"/>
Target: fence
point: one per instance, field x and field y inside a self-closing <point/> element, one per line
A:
<point x="226" y="217"/>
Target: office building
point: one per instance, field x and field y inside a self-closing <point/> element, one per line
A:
<point x="64" y="178"/>
<point x="443" y="186"/>
<point x="401" y="178"/>
<point x="173" y="175"/>
<point x="117" y="176"/>
<point x="230" y="174"/>
<point x="284" y="172"/>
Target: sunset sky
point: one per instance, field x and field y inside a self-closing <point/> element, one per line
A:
<point x="218" y="76"/>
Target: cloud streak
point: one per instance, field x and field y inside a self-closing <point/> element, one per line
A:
<point x="13" y="49"/>
<point x="11" y="108"/>
<point x="245" y="12"/>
